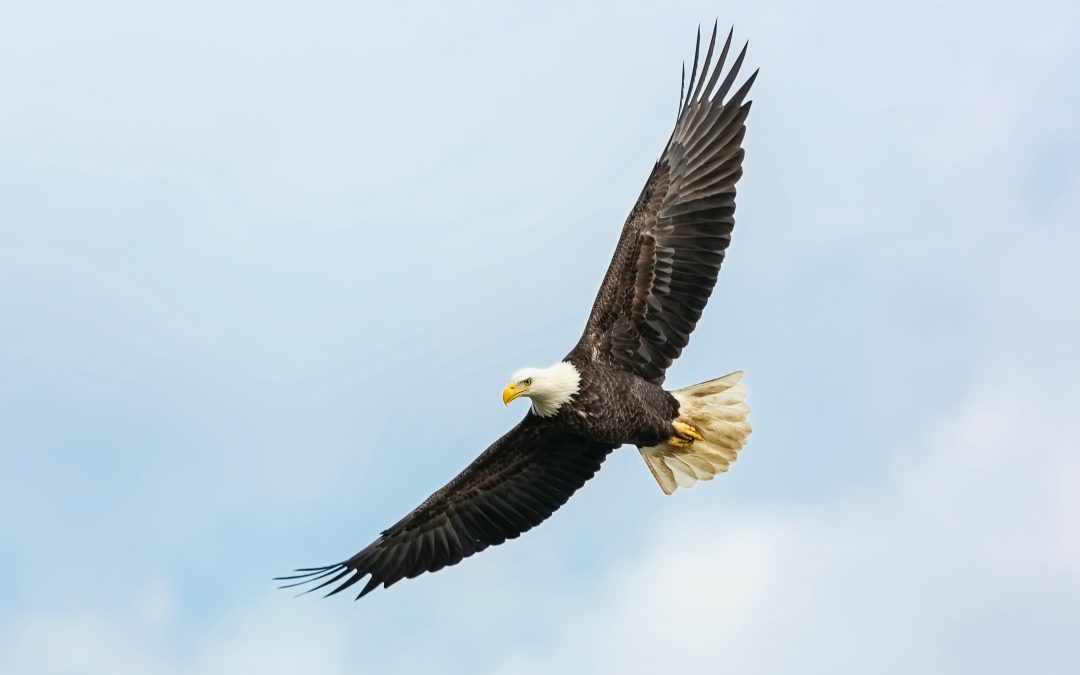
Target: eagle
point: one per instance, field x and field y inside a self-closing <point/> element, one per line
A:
<point x="608" y="390"/>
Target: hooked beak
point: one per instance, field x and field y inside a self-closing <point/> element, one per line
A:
<point x="511" y="392"/>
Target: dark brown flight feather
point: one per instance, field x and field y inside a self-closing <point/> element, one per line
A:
<point x="512" y="487"/>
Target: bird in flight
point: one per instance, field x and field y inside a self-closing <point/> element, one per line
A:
<point x="608" y="391"/>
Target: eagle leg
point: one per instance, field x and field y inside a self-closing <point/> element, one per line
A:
<point x="685" y="434"/>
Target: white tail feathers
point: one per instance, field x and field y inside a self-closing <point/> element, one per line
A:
<point x="719" y="411"/>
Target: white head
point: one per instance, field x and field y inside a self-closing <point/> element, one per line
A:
<point x="549" y="388"/>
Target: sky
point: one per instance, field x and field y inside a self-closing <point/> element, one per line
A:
<point x="265" y="269"/>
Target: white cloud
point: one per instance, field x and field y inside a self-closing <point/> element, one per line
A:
<point x="974" y="531"/>
<point x="965" y="557"/>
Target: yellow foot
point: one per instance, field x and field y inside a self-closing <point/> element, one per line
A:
<point x="685" y="435"/>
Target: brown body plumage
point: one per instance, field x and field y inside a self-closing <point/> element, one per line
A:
<point x="617" y="407"/>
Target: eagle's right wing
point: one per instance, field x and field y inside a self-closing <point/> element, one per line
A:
<point x="511" y="487"/>
<point x="673" y="242"/>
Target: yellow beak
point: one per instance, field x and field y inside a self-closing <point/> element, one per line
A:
<point x="511" y="392"/>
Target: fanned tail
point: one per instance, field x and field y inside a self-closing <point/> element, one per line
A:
<point x="719" y="411"/>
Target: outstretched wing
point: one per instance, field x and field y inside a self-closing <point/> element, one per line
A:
<point x="516" y="484"/>
<point x="673" y="242"/>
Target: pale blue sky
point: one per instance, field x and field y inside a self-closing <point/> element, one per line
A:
<point x="264" y="270"/>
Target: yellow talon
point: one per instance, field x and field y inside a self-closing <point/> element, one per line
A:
<point x="686" y="432"/>
<point x="679" y="442"/>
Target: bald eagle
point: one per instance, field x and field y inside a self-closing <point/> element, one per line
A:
<point x="607" y="391"/>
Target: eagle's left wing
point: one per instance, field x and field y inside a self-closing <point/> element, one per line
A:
<point x="514" y="485"/>
<point x="673" y="242"/>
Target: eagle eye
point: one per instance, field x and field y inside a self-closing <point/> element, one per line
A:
<point x="528" y="381"/>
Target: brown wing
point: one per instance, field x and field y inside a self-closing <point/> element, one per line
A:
<point x="516" y="484"/>
<point x="673" y="242"/>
